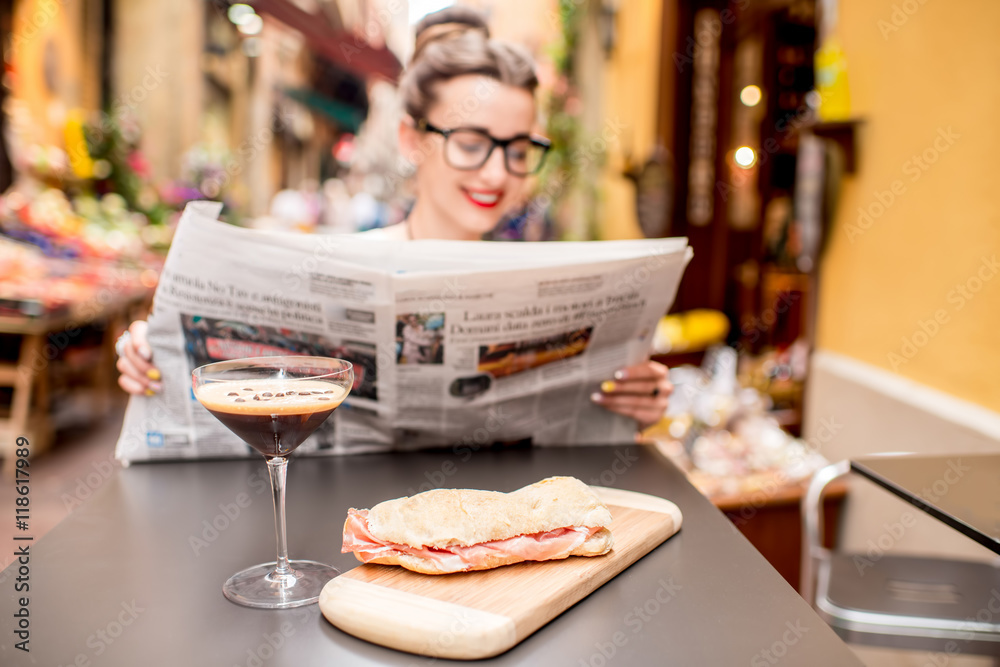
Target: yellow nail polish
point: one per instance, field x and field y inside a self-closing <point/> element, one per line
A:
<point x="607" y="386"/>
<point x="150" y="392"/>
<point x="153" y="374"/>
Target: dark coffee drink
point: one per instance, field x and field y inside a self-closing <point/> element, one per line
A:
<point x="274" y="416"/>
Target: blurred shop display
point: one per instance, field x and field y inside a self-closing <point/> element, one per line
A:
<point x="690" y="331"/>
<point x="752" y="141"/>
<point x="654" y="192"/>
<point x="726" y="427"/>
<point x="831" y="67"/>
<point x="33" y="285"/>
<point x="58" y="321"/>
<point x="780" y="375"/>
<point x="91" y="199"/>
<point x="722" y="432"/>
<point x="82" y="239"/>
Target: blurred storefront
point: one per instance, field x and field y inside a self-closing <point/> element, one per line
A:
<point x="785" y="138"/>
<point x="244" y="100"/>
<point x="700" y="119"/>
<point x="115" y="114"/>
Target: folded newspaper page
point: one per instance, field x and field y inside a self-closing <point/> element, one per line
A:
<point x="454" y="344"/>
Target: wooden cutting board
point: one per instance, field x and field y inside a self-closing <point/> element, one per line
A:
<point x="475" y="615"/>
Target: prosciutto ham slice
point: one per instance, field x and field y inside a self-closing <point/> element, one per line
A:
<point x="548" y="545"/>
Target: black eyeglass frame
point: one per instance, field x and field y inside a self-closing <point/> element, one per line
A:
<point x="540" y="142"/>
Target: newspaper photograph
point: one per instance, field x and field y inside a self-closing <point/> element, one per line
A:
<point x="453" y="343"/>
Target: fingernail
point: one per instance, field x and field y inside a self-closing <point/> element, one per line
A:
<point x="155" y="386"/>
<point x="153" y="374"/>
<point x="619" y="375"/>
<point x="146" y="353"/>
<point x="150" y="392"/>
<point x="597" y="397"/>
<point x="607" y="386"/>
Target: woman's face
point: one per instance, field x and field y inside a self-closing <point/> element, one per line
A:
<point x="468" y="204"/>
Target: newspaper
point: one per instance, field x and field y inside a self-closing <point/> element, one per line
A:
<point x="455" y="344"/>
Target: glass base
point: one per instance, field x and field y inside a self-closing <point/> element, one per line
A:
<point x="261" y="587"/>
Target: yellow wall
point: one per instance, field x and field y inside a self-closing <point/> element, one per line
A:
<point x="885" y="279"/>
<point x="630" y="90"/>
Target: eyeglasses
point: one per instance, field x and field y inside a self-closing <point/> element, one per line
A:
<point x="468" y="149"/>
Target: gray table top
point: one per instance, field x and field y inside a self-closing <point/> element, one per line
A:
<point x="134" y="576"/>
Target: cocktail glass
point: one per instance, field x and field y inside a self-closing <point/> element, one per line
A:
<point x="273" y="404"/>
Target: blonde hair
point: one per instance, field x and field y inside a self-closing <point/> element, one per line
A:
<point x="455" y="42"/>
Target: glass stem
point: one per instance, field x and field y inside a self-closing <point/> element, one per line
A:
<point x="277" y="468"/>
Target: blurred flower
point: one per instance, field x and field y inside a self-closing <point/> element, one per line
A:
<point x="101" y="169"/>
<point x="147" y="197"/>
<point x="76" y="146"/>
<point x="560" y="87"/>
<point x="210" y="188"/>
<point x="546" y="73"/>
<point x="113" y="204"/>
<point x="129" y="126"/>
<point x="573" y="106"/>
<point x="87" y="206"/>
<point x="137" y="161"/>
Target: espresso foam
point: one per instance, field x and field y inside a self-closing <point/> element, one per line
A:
<point x="274" y="396"/>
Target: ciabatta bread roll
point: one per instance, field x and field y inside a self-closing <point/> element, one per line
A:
<point x="459" y="530"/>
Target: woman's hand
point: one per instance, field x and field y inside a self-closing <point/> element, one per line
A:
<point x="138" y="375"/>
<point x="639" y="391"/>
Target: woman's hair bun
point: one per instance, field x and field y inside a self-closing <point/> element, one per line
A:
<point x="456" y="42"/>
<point x="446" y="23"/>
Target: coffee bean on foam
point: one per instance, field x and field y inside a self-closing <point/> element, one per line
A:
<point x="274" y="396"/>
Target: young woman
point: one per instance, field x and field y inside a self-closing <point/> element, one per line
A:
<point x="468" y="129"/>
